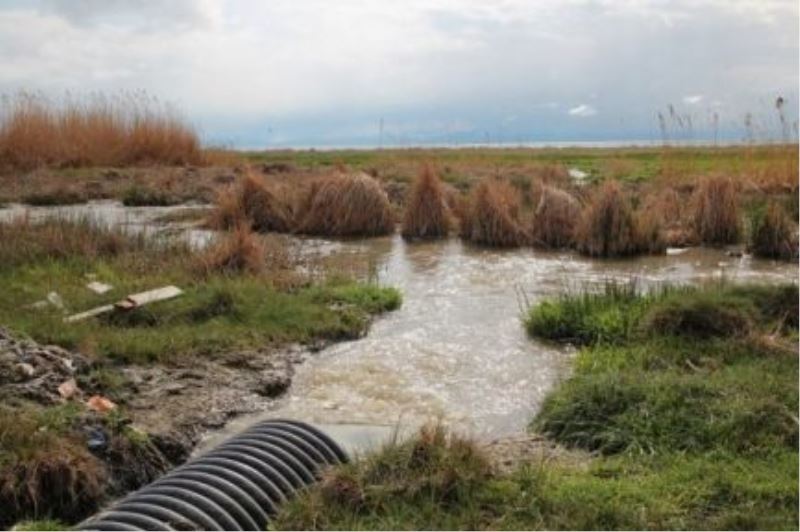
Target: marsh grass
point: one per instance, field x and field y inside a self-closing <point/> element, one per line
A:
<point x="347" y="205"/>
<point x="773" y="234"/>
<point x="492" y="217"/>
<point x="607" y="227"/>
<point x="716" y="211"/>
<point x="426" y="213"/>
<point x="555" y="216"/>
<point x="270" y="307"/>
<point x="254" y="202"/>
<point x="237" y="251"/>
<point x="123" y="129"/>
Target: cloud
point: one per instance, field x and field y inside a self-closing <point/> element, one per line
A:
<point x="583" y="110"/>
<point x="693" y="99"/>
<point x="311" y="69"/>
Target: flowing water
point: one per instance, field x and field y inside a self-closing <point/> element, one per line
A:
<point x="456" y="350"/>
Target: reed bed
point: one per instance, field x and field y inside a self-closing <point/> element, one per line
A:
<point x="346" y="205"/>
<point x="238" y="251"/>
<point x="120" y="130"/>
<point x="716" y="215"/>
<point x="554" y="219"/>
<point x="492" y="217"/>
<point x="773" y="235"/>
<point x="426" y="213"/>
<point x="252" y="201"/>
<point x="607" y="227"/>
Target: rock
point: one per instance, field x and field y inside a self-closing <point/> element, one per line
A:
<point x="25" y="370"/>
<point x="100" y="404"/>
<point x="68" y="389"/>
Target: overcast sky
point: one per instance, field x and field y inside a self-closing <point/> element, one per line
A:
<point x="255" y="73"/>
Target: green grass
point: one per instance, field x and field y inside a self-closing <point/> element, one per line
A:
<point x="215" y="313"/>
<point x="625" y="164"/>
<point x="687" y="428"/>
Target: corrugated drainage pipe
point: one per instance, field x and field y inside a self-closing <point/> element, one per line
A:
<point x="236" y="486"/>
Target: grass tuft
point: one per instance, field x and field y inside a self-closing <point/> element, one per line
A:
<point x="773" y="235"/>
<point x="555" y="217"/>
<point x="347" y="205"/>
<point x="607" y="227"/>
<point x="426" y="214"/>
<point x="492" y="215"/>
<point x="716" y="211"/>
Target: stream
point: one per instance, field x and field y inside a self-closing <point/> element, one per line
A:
<point x="456" y="351"/>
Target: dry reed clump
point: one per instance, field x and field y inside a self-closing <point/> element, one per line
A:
<point x="555" y="217"/>
<point x="607" y="227"/>
<point x="126" y="129"/>
<point x="716" y="212"/>
<point x="666" y="208"/>
<point x="346" y="205"/>
<point x="773" y="234"/>
<point x="24" y="240"/>
<point x="426" y="214"/>
<point x="254" y="202"/>
<point x="492" y="216"/>
<point x="236" y="252"/>
<point x="650" y="234"/>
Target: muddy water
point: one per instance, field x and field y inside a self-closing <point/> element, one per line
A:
<point x="456" y="350"/>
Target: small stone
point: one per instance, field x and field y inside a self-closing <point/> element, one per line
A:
<point x="68" y="389"/>
<point x="25" y="370"/>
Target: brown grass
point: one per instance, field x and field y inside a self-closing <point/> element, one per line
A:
<point x="239" y="251"/>
<point x="346" y="205"/>
<point x="715" y="218"/>
<point x="773" y="234"/>
<point x="555" y="216"/>
<point x="23" y="240"/>
<point x="426" y="214"/>
<point x="254" y="202"/>
<point x="127" y="129"/>
<point x="492" y="216"/>
<point x="607" y="227"/>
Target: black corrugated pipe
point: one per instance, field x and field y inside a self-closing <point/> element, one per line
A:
<point x="236" y="486"/>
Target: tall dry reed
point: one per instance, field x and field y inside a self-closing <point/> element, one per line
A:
<point x="253" y="201"/>
<point x="607" y="227"/>
<point x="773" y="234"/>
<point x="123" y="129"/>
<point x="426" y="213"/>
<point x="555" y="216"/>
<point x="346" y="205"/>
<point x="492" y="217"/>
<point x="716" y="217"/>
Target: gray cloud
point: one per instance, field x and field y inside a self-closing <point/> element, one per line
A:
<point x="313" y="71"/>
